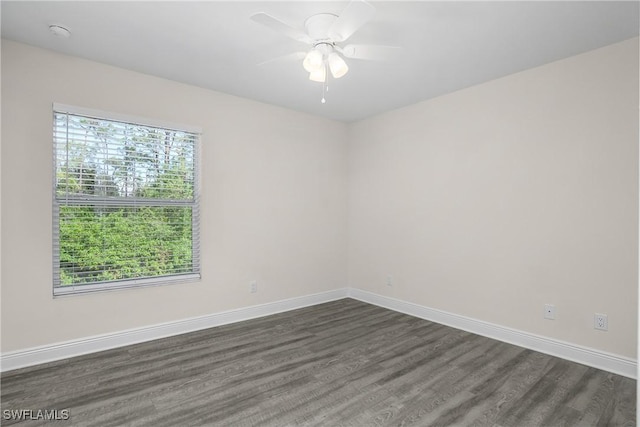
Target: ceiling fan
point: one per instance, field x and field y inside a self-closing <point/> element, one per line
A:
<point x="326" y="33"/>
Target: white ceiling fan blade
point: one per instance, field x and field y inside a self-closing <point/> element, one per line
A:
<point x="355" y="15"/>
<point x="280" y="27"/>
<point x="295" y="56"/>
<point x="369" y="51"/>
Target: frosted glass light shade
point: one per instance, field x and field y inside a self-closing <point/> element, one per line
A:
<point x="337" y="65"/>
<point x="313" y="61"/>
<point x="318" y="75"/>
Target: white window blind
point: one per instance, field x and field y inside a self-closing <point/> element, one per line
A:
<point x="126" y="205"/>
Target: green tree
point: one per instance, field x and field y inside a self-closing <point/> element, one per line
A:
<point x="113" y="239"/>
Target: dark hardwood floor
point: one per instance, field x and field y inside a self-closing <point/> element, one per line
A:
<point x="343" y="363"/>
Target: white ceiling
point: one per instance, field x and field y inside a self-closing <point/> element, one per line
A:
<point x="446" y="46"/>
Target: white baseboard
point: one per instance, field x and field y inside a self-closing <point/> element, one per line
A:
<point x="58" y="351"/>
<point x="584" y="355"/>
<point x="49" y="353"/>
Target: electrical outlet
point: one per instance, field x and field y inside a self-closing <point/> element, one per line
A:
<point x="549" y="311"/>
<point x="253" y="286"/>
<point x="389" y="280"/>
<point x="601" y="322"/>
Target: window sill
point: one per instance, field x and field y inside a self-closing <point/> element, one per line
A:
<point x="70" y="290"/>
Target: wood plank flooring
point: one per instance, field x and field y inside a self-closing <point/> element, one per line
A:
<point x="343" y="363"/>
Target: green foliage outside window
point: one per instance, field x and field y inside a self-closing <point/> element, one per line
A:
<point x="125" y="195"/>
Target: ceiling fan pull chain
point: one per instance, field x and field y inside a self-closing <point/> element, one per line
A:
<point x="324" y="84"/>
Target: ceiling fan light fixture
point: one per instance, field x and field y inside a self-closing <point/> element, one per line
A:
<point x="313" y="61"/>
<point x="319" y="75"/>
<point x="337" y="65"/>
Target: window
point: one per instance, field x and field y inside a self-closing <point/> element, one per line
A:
<point x="126" y="206"/>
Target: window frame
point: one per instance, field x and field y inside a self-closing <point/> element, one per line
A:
<point x="86" y="288"/>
